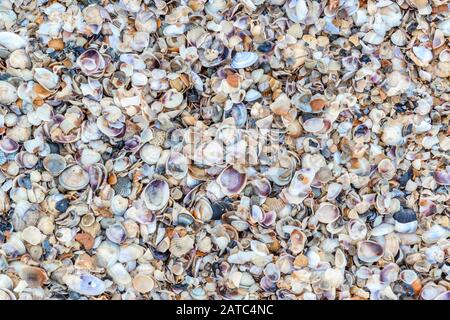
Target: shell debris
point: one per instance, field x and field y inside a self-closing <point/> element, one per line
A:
<point x="212" y="149"/>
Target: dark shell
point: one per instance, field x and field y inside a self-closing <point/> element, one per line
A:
<point x="123" y="186"/>
<point x="405" y="215"/>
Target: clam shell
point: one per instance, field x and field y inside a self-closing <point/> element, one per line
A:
<point x="85" y="284"/>
<point x="231" y="181"/>
<point x="12" y="41"/>
<point x="156" y="194"/>
<point x="8" y="93"/>
<point x="327" y="213"/>
<point x="243" y="60"/>
<point x="46" y="78"/>
<point x="74" y="178"/>
<point x="369" y="251"/>
<point x="143" y="283"/>
<point x="54" y="163"/>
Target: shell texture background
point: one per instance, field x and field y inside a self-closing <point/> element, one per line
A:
<point x="224" y="149"/>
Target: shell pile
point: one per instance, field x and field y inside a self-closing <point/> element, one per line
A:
<point x="224" y="149"/>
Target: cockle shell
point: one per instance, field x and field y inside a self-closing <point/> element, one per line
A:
<point x="231" y="181"/>
<point x="369" y="251"/>
<point x="74" y="178"/>
<point x="46" y="78"/>
<point x="85" y="284"/>
<point x="243" y="60"/>
<point x="156" y="194"/>
<point x="8" y="93"/>
<point x="327" y="213"/>
<point x="12" y="41"/>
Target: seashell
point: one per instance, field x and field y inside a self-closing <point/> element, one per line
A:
<point x="314" y="125"/>
<point x="150" y="153"/>
<point x="119" y="205"/>
<point x="143" y="283"/>
<point x="130" y="252"/>
<point x="172" y="99"/>
<point x="382" y="230"/>
<point x="442" y="177"/>
<point x="431" y="291"/>
<point x="8" y="145"/>
<point x="91" y="63"/>
<point x="369" y="251"/>
<point x="180" y="246"/>
<point x="85" y="284"/>
<point x="435" y="233"/>
<point x="386" y="169"/>
<point x="119" y="275"/>
<point x="357" y="229"/>
<point x="327" y="213"/>
<point x="443" y="296"/>
<point x="424" y="55"/>
<point x="34" y="276"/>
<point x="46" y="78"/>
<point x="12" y="41"/>
<point x="107" y="254"/>
<point x="177" y="165"/>
<point x="156" y="194"/>
<point x="231" y="181"/>
<point x="54" y="164"/>
<point x="203" y="210"/>
<point x="243" y="60"/>
<point x="8" y="93"/>
<point x="281" y="105"/>
<point x="32" y="235"/>
<point x="334" y="189"/>
<point x="116" y="233"/>
<point x="74" y="178"/>
<point x="399" y="38"/>
<point x="19" y="59"/>
<point x="427" y="207"/>
<point x="5" y="282"/>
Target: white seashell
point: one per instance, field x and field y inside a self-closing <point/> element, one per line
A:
<point x="180" y="246"/>
<point x="156" y="194"/>
<point x="119" y="205"/>
<point x="143" y="283"/>
<point x="85" y="284"/>
<point x="301" y="10"/>
<point x="327" y="213"/>
<point x="139" y="79"/>
<point x="8" y="93"/>
<point x="252" y="95"/>
<point x="19" y="59"/>
<point x="357" y="229"/>
<point x="89" y="157"/>
<point x="399" y="38"/>
<point x="150" y="153"/>
<point x="314" y="125"/>
<point x="373" y="38"/>
<point x="46" y="78"/>
<point x="119" y="275"/>
<point x="74" y="178"/>
<point x="12" y="41"/>
<point x="107" y="254"/>
<point x="174" y="30"/>
<point x="130" y="252"/>
<point x="243" y="60"/>
<point x="32" y="235"/>
<point x="369" y="251"/>
<point x="382" y="229"/>
<point x="435" y="233"/>
<point x="444" y="26"/>
<point x="423" y="54"/>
